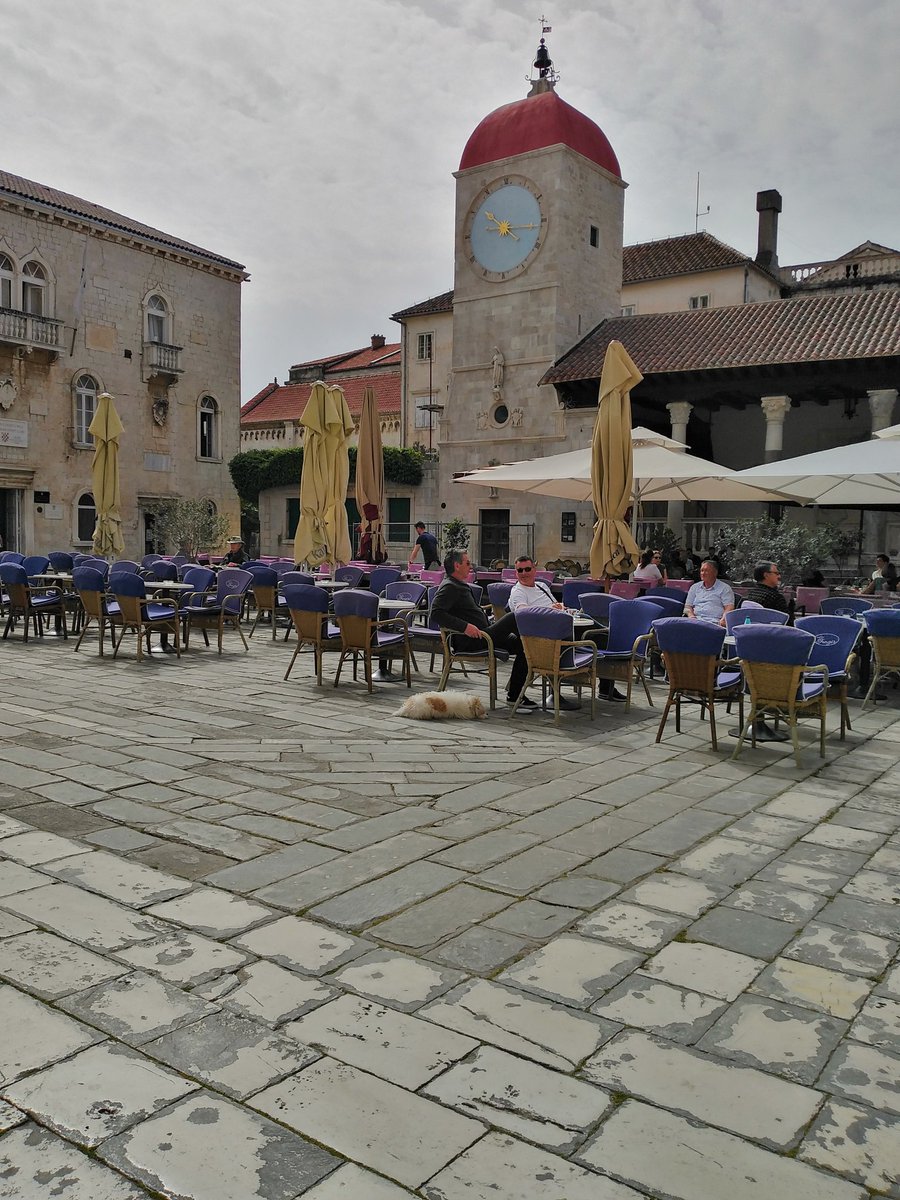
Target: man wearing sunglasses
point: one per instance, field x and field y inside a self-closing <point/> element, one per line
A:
<point x="765" y="589"/>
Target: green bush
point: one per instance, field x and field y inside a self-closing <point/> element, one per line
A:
<point x="795" y="548"/>
<point x="255" y="471"/>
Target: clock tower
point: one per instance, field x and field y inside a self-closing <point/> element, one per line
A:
<point x="538" y="263"/>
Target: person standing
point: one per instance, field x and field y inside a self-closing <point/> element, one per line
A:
<point x="427" y="542"/>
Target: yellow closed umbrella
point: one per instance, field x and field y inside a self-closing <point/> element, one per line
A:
<point x="613" y="550"/>
<point x="106" y="429"/>
<point x="322" y="534"/>
<point x="370" y="480"/>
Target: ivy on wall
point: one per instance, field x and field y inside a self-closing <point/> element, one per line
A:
<point x="255" y="471"/>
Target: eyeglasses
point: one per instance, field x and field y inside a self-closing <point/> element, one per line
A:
<point x="524" y="570"/>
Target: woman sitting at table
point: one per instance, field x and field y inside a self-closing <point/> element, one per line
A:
<point x="650" y="572"/>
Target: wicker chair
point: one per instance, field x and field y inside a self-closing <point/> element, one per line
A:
<point x="364" y="636"/>
<point x="308" y="606"/>
<point x="553" y="654"/>
<point x="884" y="634"/>
<point x="836" y="639"/>
<point x="775" y="659"/>
<point x="690" y="651"/>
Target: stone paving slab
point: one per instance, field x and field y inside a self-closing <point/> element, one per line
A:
<point x="35" y="1036"/>
<point x="208" y="1149"/>
<point x="34" y="1164"/>
<point x="136" y="1008"/>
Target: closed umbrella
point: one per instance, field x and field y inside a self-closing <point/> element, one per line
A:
<point x="613" y="550"/>
<point x="322" y="534"/>
<point x="106" y="429"/>
<point x="370" y="480"/>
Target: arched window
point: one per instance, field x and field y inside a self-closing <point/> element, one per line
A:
<point x="34" y="289"/>
<point x="86" y="518"/>
<point x="208" y="429"/>
<point x="6" y="282"/>
<point x="157" y="320"/>
<point x="85" y="406"/>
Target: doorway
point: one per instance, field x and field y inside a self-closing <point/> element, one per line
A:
<point x="10" y="518"/>
<point x="494" y="535"/>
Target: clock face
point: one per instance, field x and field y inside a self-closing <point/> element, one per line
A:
<point x="505" y="228"/>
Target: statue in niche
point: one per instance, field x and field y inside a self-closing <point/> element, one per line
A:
<point x="498" y="364"/>
<point x="481" y="420"/>
<point x="517" y="417"/>
<point x="160" y="410"/>
<point x="8" y="393"/>
<point x="449" y="391"/>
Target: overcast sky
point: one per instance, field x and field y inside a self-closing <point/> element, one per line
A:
<point x="314" y="142"/>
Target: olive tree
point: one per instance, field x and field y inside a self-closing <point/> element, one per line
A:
<point x="187" y="526"/>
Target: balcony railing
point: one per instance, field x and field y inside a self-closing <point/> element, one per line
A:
<point x="23" y="329"/>
<point x="842" y="271"/>
<point x="160" y="359"/>
<point x="699" y="537"/>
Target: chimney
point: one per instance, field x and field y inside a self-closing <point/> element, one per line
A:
<point x="377" y="341"/>
<point x="768" y="205"/>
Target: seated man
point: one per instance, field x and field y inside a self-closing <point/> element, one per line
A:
<point x="535" y="593"/>
<point x="766" y="581"/>
<point x="711" y="598"/>
<point x="235" y="556"/>
<point x="454" y="608"/>
<point x="884" y="577"/>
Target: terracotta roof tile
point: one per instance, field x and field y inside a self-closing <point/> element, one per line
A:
<point x="425" y="308"/>
<point x="350" y="360"/>
<point x="822" y="328"/>
<point x="677" y="256"/>
<point x="285" y="402"/>
<point x="26" y="189"/>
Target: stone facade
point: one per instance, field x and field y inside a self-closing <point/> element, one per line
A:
<point x="126" y="310"/>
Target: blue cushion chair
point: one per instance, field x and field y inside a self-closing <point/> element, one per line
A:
<point x="125" y="564"/>
<point x="498" y="594"/>
<point x="352" y="576"/>
<point x="663" y="592"/>
<point x="691" y="653"/>
<point x="308" y="608"/>
<point x="423" y="631"/>
<point x="836" y="640"/>
<point x="31" y="603"/>
<point x="36" y="564"/>
<point x="266" y="598"/>
<point x="553" y="654"/>
<point x="883" y="626"/>
<point x="597" y="605"/>
<point x="142" y="615"/>
<point x="845" y="606"/>
<point x="574" y="589"/>
<point x="626" y="650"/>
<point x="61" y="561"/>
<point x="781" y="679"/>
<point x="90" y="588"/>
<point x="745" y="615"/>
<point x="163" y="571"/>
<point x="364" y="636"/>
<point x="303" y="577"/>
<point x="380" y="577"/>
<point x="224" y="608"/>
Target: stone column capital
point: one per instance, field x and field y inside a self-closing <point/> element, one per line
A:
<point x="881" y="405"/>
<point x="680" y="412"/>
<point x="775" y="408"/>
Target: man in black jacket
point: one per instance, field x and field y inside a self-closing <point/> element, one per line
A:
<point x="454" y="608"/>
<point x="766" y="582"/>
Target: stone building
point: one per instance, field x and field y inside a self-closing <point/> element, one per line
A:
<point x="93" y="301"/>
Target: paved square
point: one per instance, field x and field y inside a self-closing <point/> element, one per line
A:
<point x="265" y="941"/>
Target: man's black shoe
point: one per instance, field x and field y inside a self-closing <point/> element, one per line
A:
<point x="525" y="705"/>
<point x="565" y="704"/>
<point x="614" y="696"/>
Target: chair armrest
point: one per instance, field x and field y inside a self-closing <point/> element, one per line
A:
<point x="737" y="663"/>
<point x="649" y="638"/>
<point x="392" y="623"/>
<point x="818" y="671"/>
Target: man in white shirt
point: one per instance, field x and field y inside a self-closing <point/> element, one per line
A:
<point x="530" y="592"/>
<point x="711" y="598"/>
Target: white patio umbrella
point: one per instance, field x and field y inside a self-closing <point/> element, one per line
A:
<point x="892" y="431"/>
<point x="845" y="477"/>
<point x="661" y="469"/>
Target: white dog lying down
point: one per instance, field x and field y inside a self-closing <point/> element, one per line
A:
<point x="439" y="706"/>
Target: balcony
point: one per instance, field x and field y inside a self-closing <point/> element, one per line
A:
<point x="161" y="361"/>
<point x="29" y="332"/>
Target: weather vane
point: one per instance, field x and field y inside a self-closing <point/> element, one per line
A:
<point x="542" y="60"/>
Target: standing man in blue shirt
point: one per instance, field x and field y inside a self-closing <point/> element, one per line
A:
<point x="428" y="543"/>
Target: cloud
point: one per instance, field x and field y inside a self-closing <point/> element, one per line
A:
<point x="316" y="143"/>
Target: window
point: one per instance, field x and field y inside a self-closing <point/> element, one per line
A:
<point x="6" y="282"/>
<point x="87" y="518"/>
<point x="398" y="519"/>
<point x="424" y="346"/>
<point x="567" y="531"/>
<point x="85" y="406"/>
<point x="157" y="320"/>
<point x="595" y="236"/>
<point x="628" y="310"/>
<point x="424" y="416"/>
<point x="292" y="516"/>
<point x="34" y="289"/>
<point x="208" y="429"/>
<point x="699" y="302"/>
<point x="500" y="414"/>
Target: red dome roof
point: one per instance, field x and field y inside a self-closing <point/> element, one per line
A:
<point x="531" y="124"/>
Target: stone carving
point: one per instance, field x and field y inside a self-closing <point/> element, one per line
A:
<point x="160" y="410"/>
<point x="498" y="364"/>
<point x="9" y="392"/>
<point x="449" y="390"/>
<point x="517" y="416"/>
<point x="481" y="420"/>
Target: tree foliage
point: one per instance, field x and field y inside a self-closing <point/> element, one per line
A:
<point x="256" y="471"/>
<point x="796" y="548"/>
<point x="454" y="535"/>
<point x="187" y="526"/>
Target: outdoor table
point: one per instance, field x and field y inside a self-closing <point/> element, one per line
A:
<point x="169" y="586"/>
<point x="397" y="606"/>
<point x="55" y="576"/>
<point x="331" y="584"/>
